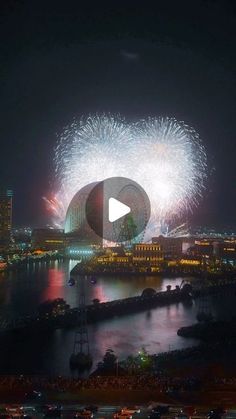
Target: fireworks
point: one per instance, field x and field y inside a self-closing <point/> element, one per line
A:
<point x="57" y="208"/>
<point x="164" y="156"/>
<point x="175" y="167"/>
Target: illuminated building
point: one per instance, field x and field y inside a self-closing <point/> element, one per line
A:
<point x="5" y="218"/>
<point x="187" y="243"/>
<point x="185" y="264"/>
<point x="190" y="262"/>
<point x="207" y="249"/>
<point x="21" y="238"/>
<point x="171" y="246"/>
<point x="227" y="251"/>
<point x="77" y="247"/>
<point x="48" y="239"/>
<point x="150" y="253"/>
<point x="115" y="255"/>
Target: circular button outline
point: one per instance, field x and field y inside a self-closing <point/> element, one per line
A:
<point x="123" y="229"/>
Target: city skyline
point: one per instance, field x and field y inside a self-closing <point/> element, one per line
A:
<point x="220" y="227"/>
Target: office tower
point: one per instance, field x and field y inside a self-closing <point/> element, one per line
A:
<point x="5" y="218"/>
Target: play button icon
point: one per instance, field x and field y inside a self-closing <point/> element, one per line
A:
<point x="118" y="209"/>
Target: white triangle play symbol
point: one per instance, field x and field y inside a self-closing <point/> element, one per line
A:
<point x="116" y="209"/>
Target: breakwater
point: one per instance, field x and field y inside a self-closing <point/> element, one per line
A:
<point x="99" y="311"/>
<point x="210" y="331"/>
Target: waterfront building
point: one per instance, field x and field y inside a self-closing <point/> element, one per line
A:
<point x="152" y="254"/>
<point x="21" y="237"/>
<point x="227" y="251"/>
<point x="48" y="239"/>
<point x="115" y="255"/>
<point x="185" y="264"/>
<point x="206" y="247"/>
<point x="77" y="247"/>
<point x="5" y="218"/>
<point x="187" y="243"/>
<point x="190" y="262"/>
<point x="171" y="246"/>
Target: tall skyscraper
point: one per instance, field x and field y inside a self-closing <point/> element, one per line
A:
<point x="5" y="218"/>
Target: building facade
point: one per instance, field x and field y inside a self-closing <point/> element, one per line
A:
<point x="48" y="239"/>
<point x="147" y="253"/>
<point x="171" y="246"/>
<point x="5" y="218"/>
<point x="227" y="251"/>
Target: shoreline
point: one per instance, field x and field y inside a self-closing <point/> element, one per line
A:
<point x="212" y="331"/>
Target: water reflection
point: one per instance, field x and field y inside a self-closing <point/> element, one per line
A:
<point x="40" y="281"/>
<point x="55" y="287"/>
<point x="154" y="329"/>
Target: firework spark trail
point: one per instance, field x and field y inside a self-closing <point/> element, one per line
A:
<point x="165" y="156"/>
<point x="57" y="208"/>
<point x="175" y="167"/>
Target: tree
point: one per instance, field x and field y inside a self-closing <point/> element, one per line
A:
<point x="131" y="364"/>
<point x="145" y="360"/>
<point x="53" y="307"/>
<point x="109" y="360"/>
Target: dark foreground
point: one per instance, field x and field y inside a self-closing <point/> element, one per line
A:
<point x="119" y="390"/>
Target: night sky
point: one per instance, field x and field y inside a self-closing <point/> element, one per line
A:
<point x="60" y="61"/>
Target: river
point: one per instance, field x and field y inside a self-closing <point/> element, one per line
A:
<point x="21" y="293"/>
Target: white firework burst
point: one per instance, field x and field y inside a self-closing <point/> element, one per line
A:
<point x="165" y="156"/>
<point x="172" y="169"/>
<point x="89" y="150"/>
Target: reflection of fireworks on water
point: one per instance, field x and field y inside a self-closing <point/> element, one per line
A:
<point x="164" y="156"/>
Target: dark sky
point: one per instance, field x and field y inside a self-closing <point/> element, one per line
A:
<point x="61" y="59"/>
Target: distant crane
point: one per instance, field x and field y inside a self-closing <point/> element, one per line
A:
<point x="81" y="358"/>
